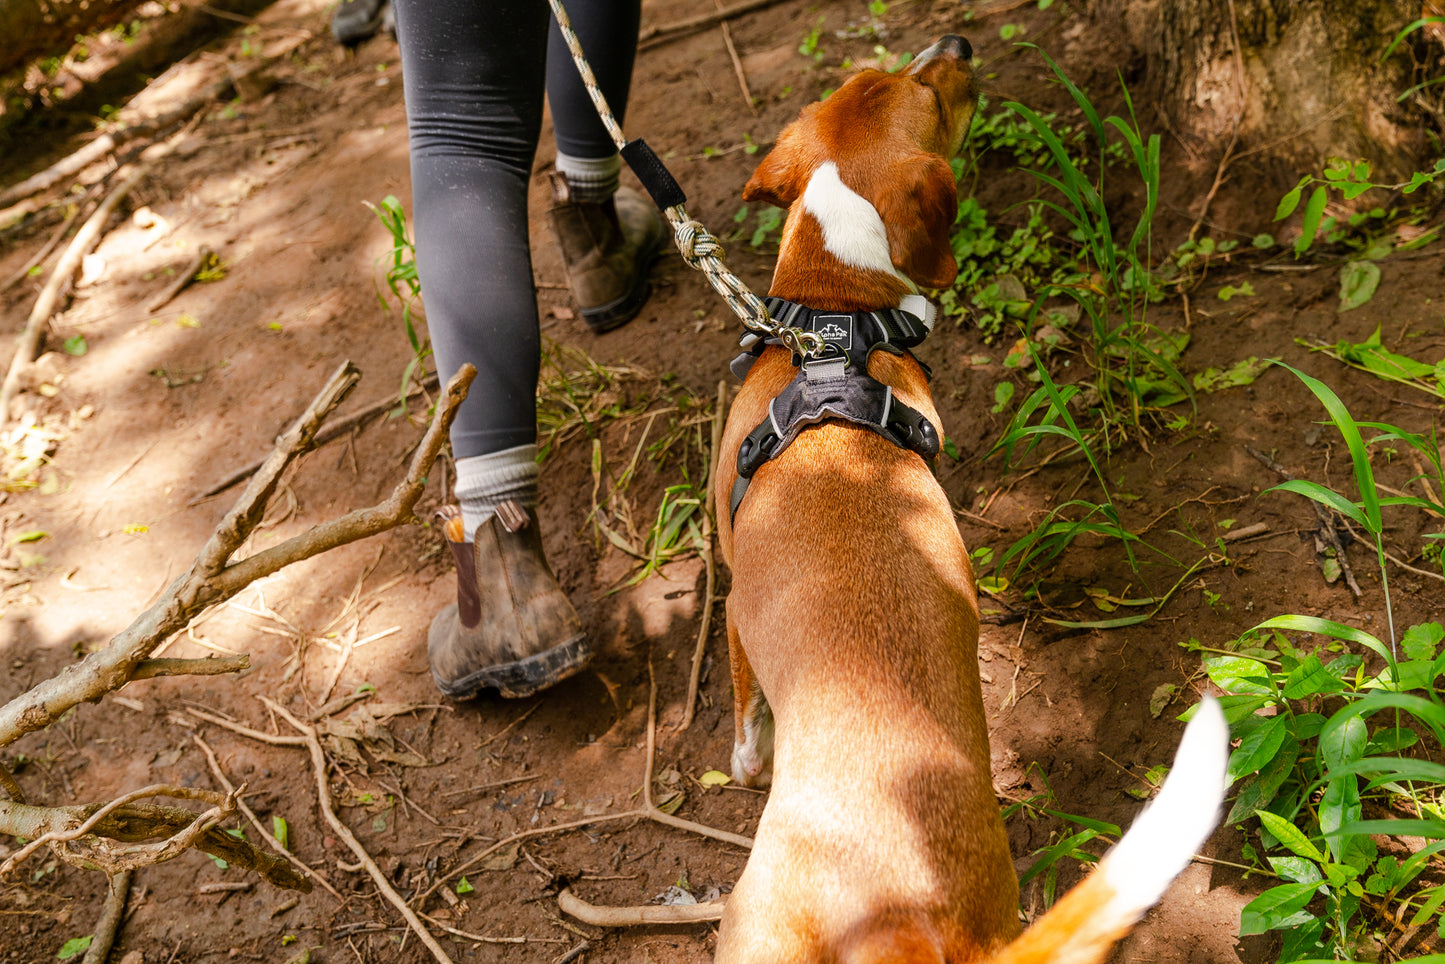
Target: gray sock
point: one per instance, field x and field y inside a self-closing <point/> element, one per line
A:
<point x="590" y="180"/>
<point x="486" y="481"/>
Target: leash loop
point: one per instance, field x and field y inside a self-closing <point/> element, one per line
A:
<point x="698" y="247"/>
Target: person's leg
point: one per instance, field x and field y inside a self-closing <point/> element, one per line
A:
<point x="607" y="238"/>
<point x="473" y="78"/>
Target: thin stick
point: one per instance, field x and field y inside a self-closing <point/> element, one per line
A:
<point x="247" y="731"/>
<point x="640" y="916"/>
<point x="727" y="35"/>
<point x="85" y="239"/>
<point x="647" y="811"/>
<point x="574" y="953"/>
<point x="490" y="786"/>
<point x="323" y="792"/>
<point x="330" y="433"/>
<point x="187" y="275"/>
<point x="260" y="827"/>
<point x="481" y="939"/>
<point x="110" y="917"/>
<point x="709" y="558"/>
<point x="670" y="30"/>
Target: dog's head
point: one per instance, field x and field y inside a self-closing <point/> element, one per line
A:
<point x="888" y="138"/>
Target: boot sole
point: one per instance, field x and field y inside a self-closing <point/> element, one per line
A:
<point x="523" y="677"/>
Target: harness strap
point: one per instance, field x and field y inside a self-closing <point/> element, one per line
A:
<point x="837" y="386"/>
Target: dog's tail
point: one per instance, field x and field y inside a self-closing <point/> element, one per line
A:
<point x="1083" y="926"/>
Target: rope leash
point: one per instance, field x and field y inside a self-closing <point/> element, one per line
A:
<point x="698" y="247"/>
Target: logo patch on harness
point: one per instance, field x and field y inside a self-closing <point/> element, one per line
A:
<point x="836" y="330"/>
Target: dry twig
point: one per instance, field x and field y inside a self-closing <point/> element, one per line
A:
<point x="186" y="276"/>
<point x="647" y="811"/>
<point x="328" y="810"/>
<point x="256" y="822"/>
<point x="1327" y="520"/>
<point x="709" y="559"/>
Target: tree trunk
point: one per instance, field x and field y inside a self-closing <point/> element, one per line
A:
<point x="1307" y="82"/>
<point x="33" y="28"/>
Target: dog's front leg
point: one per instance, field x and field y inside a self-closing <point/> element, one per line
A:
<point x="752" y="719"/>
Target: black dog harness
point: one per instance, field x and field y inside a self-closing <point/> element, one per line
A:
<point x="835" y="384"/>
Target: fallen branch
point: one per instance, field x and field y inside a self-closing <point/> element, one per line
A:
<point x="135" y="823"/>
<point x="323" y="793"/>
<point x="211" y="580"/>
<point x="108" y="143"/>
<point x="85" y="239"/>
<point x="639" y="916"/>
<point x="49" y="246"/>
<point x="110" y="918"/>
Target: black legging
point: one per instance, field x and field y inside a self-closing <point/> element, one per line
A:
<point x="473" y="73"/>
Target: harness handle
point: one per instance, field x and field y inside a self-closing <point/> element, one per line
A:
<point x="699" y="248"/>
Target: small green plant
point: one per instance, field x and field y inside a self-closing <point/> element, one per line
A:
<point x="1330" y="760"/>
<point x="404" y="283"/>
<point x="810" y="45"/>
<point x="1348" y="180"/>
<point x="1126" y="350"/>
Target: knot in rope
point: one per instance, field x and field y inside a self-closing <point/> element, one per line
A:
<point x="695" y="243"/>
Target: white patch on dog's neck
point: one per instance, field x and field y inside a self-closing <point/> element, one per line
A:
<point x="853" y="232"/>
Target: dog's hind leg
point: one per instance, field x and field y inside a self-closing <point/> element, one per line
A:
<point x="752" y="719"/>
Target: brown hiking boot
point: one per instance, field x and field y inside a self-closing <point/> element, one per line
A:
<point x="512" y="628"/>
<point x="606" y="249"/>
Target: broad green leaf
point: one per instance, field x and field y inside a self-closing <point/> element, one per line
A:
<point x="1358" y="281"/>
<point x="1239" y="674"/>
<point x="1311" y="678"/>
<point x="1289" y="836"/>
<point x="1339" y="805"/>
<point x="715" y="778"/>
<point x="1274" y="908"/>
<point x="1342" y="741"/>
<point x="1314" y="210"/>
<point x="1296" y="869"/>
<point x="1240" y="373"/>
<point x="1258" y="747"/>
<point x="1287" y="204"/>
<point x="1423" y="640"/>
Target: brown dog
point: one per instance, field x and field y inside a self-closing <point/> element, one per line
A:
<point x="853" y="622"/>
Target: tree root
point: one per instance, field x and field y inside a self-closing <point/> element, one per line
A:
<point x="110" y="919"/>
<point x="639" y="916"/>
<point x="328" y="810"/>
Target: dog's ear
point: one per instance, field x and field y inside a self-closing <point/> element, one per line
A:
<point x="783" y="175"/>
<point x="919" y="204"/>
<point x="775" y="181"/>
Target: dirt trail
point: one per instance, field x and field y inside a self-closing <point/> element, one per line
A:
<point x="163" y="404"/>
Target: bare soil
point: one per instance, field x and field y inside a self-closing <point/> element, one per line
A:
<point x="162" y="405"/>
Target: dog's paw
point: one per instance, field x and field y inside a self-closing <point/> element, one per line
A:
<point x="750" y="769"/>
